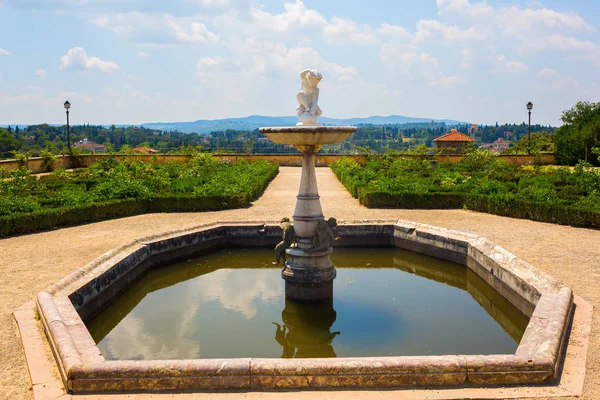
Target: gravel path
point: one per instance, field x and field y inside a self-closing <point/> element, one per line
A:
<point x="30" y="263"/>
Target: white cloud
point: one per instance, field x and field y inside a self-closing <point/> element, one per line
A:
<point x="40" y="72"/>
<point x="211" y="3"/>
<point x="550" y="78"/>
<point x="464" y="7"/>
<point x="395" y="33"/>
<point x="208" y="61"/>
<point x="535" y="28"/>
<point x="485" y="57"/>
<point x="163" y="29"/>
<point x="447" y="82"/>
<point x="295" y="17"/>
<point x="547" y="73"/>
<point x="515" y="21"/>
<point x="77" y="58"/>
<point x="558" y="43"/>
<point x="143" y="54"/>
<point x="516" y="66"/>
<point x="207" y="68"/>
<point x="4" y="52"/>
<point x="436" y="32"/>
<point x="342" y="74"/>
<point x="418" y="66"/>
<point x="345" y="31"/>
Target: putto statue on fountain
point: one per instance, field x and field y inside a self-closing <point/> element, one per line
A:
<point x="308" y="97"/>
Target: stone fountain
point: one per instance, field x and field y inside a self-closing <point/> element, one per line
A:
<point x="308" y="271"/>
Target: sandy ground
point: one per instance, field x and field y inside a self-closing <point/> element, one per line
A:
<point x="30" y="263"/>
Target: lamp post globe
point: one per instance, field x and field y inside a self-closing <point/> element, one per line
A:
<point x="529" y="108"/>
<point x="67" y="106"/>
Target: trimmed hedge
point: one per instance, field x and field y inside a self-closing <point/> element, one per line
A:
<point x="21" y="223"/>
<point x="356" y="178"/>
<point x="411" y="200"/>
<point x="499" y="205"/>
<point x="123" y="190"/>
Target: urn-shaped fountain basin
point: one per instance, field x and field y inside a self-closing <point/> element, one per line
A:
<point x="308" y="135"/>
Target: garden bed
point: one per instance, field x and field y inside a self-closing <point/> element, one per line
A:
<point x="481" y="182"/>
<point x="111" y="189"/>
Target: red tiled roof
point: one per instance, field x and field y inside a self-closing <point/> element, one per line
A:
<point x="454" y="136"/>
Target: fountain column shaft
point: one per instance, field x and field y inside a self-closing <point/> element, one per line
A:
<point x="308" y="275"/>
<point x="308" y="204"/>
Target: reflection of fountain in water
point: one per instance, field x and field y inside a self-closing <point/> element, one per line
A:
<point x="306" y="330"/>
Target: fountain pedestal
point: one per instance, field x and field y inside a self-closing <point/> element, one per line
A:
<point x="308" y="274"/>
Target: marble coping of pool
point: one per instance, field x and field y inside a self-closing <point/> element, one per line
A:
<point x="66" y="304"/>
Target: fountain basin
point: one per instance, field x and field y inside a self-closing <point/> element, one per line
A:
<point x="308" y="135"/>
<point x="65" y="305"/>
<point x="387" y="301"/>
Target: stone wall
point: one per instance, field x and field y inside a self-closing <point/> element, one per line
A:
<point x="35" y="164"/>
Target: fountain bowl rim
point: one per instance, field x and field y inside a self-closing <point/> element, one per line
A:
<point x="307" y="129"/>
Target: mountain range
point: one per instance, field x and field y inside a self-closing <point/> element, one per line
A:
<point x="256" y="121"/>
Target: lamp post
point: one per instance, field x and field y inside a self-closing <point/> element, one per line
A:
<point x="67" y="106"/>
<point x="529" y="107"/>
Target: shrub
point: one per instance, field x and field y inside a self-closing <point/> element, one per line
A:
<point x="111" y="189"/>
<point x="48" y="160"/>
<point x="13" y="204"/>
<point x="478" y="160"/>
<point x="20" y="158"/>
<point x="482" y="183"/>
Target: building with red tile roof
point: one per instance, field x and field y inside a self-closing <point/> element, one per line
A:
<point x="90" y="146"/>
<point x="453" y="142"/>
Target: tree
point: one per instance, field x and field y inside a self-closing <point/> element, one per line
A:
<point x="579" y="134"/>
<point x="7" y="142"/>
<point x="540" y="142"/>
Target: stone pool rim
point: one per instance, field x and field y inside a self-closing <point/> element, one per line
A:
<point x="83" y="369"/>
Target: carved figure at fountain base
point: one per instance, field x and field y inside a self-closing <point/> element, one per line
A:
<point x="324" y="238"/>
<point x="287" y="239"/>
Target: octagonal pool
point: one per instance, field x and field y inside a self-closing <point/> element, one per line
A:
<point x="230" y="303"/>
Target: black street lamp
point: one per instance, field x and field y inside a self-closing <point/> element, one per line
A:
<point x="529" y="107"/>
<point x="67" y="106"/>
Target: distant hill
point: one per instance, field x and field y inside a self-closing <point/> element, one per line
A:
<point x="256" y="121"/>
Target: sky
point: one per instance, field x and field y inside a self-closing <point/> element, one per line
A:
<point x="137" y="61"/>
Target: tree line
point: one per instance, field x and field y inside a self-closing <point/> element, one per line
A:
<point x="573" y="141"/>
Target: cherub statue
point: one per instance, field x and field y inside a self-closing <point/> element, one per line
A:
<point x="287" y="238"/>
<point x="308" y="97"/>
<point x="324" y="238"/>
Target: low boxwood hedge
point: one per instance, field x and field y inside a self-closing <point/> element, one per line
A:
<point x="505" y="206"/>
<point x="113" y="190"/>
<point x="358" y="180"/>
<point x="20" y="223"/>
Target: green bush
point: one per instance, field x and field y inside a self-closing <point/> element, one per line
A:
<point x="481" y="183"/>
<point x="111" y="189"/>
<point x="412" y="200"/>
<point x="48" y="161"/>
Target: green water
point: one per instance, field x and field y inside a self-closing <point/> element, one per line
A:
<point x="231" y="303"/>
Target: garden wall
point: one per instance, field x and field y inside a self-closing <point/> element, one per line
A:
<point x="36" y="164"/>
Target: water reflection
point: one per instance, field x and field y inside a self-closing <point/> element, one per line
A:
<point x="231" y="303"/>
<point x="511" y="319"/>
<point x="306" y="330"/>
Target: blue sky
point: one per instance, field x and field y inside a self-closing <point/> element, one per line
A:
<point x="135" y="61"/>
